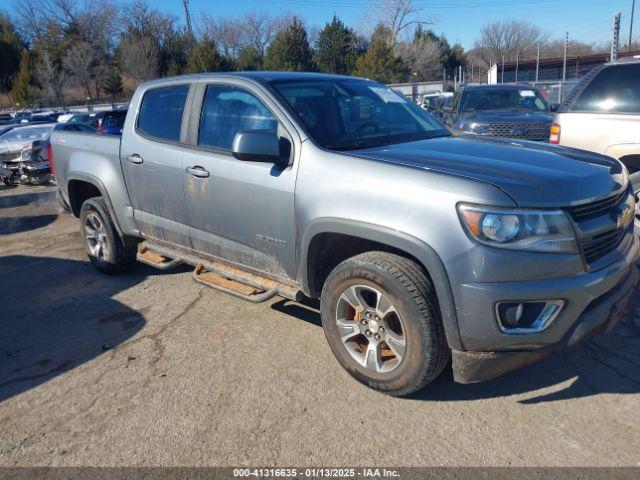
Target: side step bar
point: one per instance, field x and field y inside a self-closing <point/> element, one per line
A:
<point x="221" y="276"/>
<point x="149" y="257"/>
<point x="243" y="284"/>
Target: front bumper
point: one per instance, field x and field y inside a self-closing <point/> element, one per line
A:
<point x="594" y="303"/>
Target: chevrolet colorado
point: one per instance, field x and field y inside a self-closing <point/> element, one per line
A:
<point x="422" y="246"/>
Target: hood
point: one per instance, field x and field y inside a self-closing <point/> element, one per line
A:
<point x="493" y="116"/>
<point x="532" y="174"/>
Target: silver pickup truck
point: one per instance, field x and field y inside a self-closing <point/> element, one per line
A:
<point x="422" y="246"/>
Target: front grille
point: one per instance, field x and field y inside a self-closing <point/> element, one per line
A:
<point x="523" y="130"/>
<point x="600" y="245"/>
<point x="593" y="209"/>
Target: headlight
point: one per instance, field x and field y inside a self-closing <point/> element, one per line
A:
<point x="531" y="230"/>
<point x="25" y="154"/>
<point x="473" y="127"/>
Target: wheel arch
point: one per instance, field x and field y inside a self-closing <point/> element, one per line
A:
<point x="328" y="241"/>
<point x="81" y="187"/>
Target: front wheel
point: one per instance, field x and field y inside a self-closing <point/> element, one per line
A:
<point x="106" y="249"/>
<point x="381" y="319"/>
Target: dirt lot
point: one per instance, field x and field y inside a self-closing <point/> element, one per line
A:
<point x="150" y="368"/>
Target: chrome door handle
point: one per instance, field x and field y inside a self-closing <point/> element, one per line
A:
<point x="197" y="171"/>
<point x="135" y="158"/>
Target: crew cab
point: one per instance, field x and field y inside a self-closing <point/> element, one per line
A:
<point x="421" y="246"/>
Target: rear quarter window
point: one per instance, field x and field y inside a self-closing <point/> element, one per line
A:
<point x="161" y="112"/>
<point x="614" y="89"/>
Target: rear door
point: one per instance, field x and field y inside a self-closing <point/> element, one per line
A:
<point x="151" y="158"/>
<point x="240" y="211"/>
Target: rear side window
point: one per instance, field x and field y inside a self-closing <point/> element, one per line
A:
<point x="161" y="112"/>
<point x="614" y="90"/>
<point x="228" y="110"/>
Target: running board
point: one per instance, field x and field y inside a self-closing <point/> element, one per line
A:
<point x="242" y="284"/>
<point x="218" y="275"/>
<point x="149" y="257"/>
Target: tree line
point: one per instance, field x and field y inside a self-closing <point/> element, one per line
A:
<point x="56" y="52"/>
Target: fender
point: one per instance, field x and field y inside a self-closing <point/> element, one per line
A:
<point x="96" y="182"/>
<point x="396" y="239"/>
<point x="622" y="150"/>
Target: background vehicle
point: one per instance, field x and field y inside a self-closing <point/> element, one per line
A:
<point x="603" y="114"/>
<point x="443" y="104"/>
<point x="513" y="111"/>
<point x="24" y="154"/>
<point x="112" y="122"/>
<point x="5" y="118"/>
<point x="430" y="101"/>
<point x="420" y="245"/>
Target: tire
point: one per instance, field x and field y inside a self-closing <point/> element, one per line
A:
<point x="379" y="279"/>
<point x="115" y="255"/>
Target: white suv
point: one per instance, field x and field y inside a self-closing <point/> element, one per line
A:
<point x="602" y="114"/>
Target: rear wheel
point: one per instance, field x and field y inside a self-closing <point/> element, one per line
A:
<point x="106" y="249"/>
<point x="381" y="319"/>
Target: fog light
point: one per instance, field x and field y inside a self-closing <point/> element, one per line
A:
<point x="527" y="316"/>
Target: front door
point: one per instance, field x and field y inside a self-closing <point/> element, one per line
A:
<point x="151" y="158"/>
<point x="238" y="210"/>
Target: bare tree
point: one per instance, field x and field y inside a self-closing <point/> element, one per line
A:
<point x="399" y="16"/>
<point x="424" y="56"/>
<point x="260" y="28"/>
<point x="53" y="81"/>
<point x="139" y="57"/>
<point x="507" y="39"/>
<point x="227" y="33"/>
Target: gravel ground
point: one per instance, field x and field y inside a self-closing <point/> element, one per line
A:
<point x="150" y="368"/>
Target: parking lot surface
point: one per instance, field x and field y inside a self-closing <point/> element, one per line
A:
<point x="151" y="368"/>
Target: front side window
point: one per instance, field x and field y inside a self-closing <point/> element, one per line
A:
<point x="615" y="89"/>
<point x="228" y="110"/>
<point x="503" y="99"/>
<point x="161" y="112"/>
<point x="345" y="114"/>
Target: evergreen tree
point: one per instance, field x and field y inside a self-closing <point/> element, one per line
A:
<point x="336" y="48"/>
<point x="290" y="49"/>
<point x="205" y="58"/>
<point x="10" y="49"/>
<point x="24" y="92"/>
<point x="113" y="84"/>
<point x="381" y="64"/>
<point x="249" y="58"/>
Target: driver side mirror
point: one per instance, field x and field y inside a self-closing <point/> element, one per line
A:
<point x="256" y="146"/>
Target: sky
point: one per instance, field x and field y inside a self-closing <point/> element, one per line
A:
<point x="459" y="20"/>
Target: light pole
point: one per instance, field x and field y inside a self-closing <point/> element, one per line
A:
<point x="633" y="9"/>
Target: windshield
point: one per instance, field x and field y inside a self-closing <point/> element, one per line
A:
<point x="503" y="99"/>
<point x="346" y="114"/>
<point x="25" y="134"/>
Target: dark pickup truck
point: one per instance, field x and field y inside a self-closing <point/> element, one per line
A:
<point x="512" y="111"/>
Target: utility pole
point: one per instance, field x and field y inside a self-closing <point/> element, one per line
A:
<point x="633" y="10"/>
<point x="538" y="62"/>
<point x="615" y="37"/>
<point x="517" y="63"/>
<point x="564" y="58"/>
<point x="502" y="77"/>
<point x="187" y="18"/>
